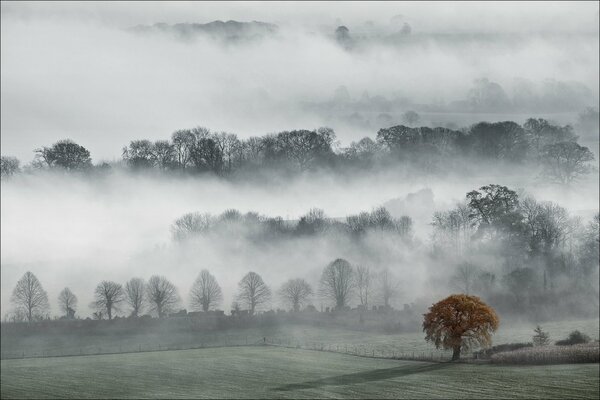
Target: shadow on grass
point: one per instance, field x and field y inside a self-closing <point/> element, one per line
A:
<point x="366" y="376"/>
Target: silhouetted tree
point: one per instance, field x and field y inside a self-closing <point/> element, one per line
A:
<point x="161" y="295"/>
<point x="253" y="292"/>
<point x="30" y="296"/>
<point x="338" y="282"/>
<point x="135" y="295"/>
<point x="67" y="302"/>
<point x="107" y="297"/>
<point x="565" y="162"/>
<point x="206" y="292"/>
<point x="8" y="166"/>
<point x="65" y="154"/>
<point x="295" y="293"/>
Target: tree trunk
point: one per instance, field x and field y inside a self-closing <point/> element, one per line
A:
<point x="455" y="353"/>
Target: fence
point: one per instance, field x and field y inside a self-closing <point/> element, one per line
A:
<point x="219" y="340"/>
<point x="210" y="341"/>
<point x="360" y="350"/>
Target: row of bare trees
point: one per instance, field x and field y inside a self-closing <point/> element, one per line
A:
<point x="340" y="281"/>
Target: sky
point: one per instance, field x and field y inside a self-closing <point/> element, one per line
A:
<point x="71" y="70"/>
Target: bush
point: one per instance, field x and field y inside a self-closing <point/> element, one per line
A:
<point x="575" y="337"/>
<point x="579" y="353"/>
<point x="540" y="338"/>
<point x="487" y="353"/>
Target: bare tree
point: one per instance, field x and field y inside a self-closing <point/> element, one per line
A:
<point x="295" y="292"/>
<point x="162" y="295"/>
<point x="388" y="286"/>
<point x="67" y="302"/>
<point x="30" y="296"/>
<point x="363" y="284"/>
<point x="206" y="292"/>
<point x="107" y="297"/>
<point x="465" y="276"/>
<point x="253" y="292"/>
<point x="135" y="295"/>
<point x="337" y="282"/>
<point x="8" y="166"/>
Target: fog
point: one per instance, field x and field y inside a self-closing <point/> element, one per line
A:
<point x="73" y="231"/>
<point x="75" y="70"/>
<point x="78" y="71"/>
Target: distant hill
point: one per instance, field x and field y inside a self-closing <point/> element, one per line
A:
<point x="230" y="31"/>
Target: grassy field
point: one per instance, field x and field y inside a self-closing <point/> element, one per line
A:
<point x="269" y="372"/>
<point x="337" y="339"/>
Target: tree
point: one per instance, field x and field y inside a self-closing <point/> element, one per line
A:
<point x="65" y="154"/>
<point x="565" y="162"/>
<point x="206" y="292"/>
<point x="162" y="295"/>
<point x="295" y="292"/>
<point x="337" y="282"/>
<point x="140" y="154"/>
<point x="540" y="338"/>
<point x="411" y="118"/>
<point x="253" y="292"/>
<point x="388" y="286"/>
<point x="8" y="166"/>
<point x="183" y="144"/>
<point x="492" y="202"/>
<point x="459" y="322"/>
<point x="191" y="224"/>
<point x="67" y="302"/>
<point x="30" y="296"/>
<point x="465" y="276"/>
<point x="107" y="297"/>
<point x="363" y="284"/>
<point x="164" y="154"/>
<point x="135" y="295"/>
<point x="342" y="36"/>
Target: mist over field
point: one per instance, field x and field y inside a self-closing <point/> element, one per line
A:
<point x="105" y="75"/>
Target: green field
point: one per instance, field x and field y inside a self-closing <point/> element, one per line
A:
<point x="305" y="336"/>
<point x="270" y="372"/>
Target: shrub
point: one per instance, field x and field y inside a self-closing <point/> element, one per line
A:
<point x="487" y="353"/>
<point x="579" y="353"/>
<point x="575" y="337"/>
<point x="540" y="338"/>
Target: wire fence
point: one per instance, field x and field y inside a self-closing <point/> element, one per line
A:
<point x="363" y="350"/>
<point x="217" y="341"/>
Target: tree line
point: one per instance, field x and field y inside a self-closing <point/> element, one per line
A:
<point x="159" y="297"/>
<point x="552" y="148"/>
<point x="507" y="247"/>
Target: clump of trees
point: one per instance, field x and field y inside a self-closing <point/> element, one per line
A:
<point x="534" y="245"/>
<point x="458" y="322"/>
<point x="538" y="144"/>
<point x="313" y="223"/>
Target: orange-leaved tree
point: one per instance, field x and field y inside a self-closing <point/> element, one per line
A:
<point x="459" y="322"/>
